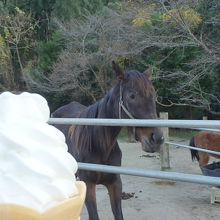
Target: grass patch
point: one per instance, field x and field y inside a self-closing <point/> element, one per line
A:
<point x="164" y="182"/>
<point x="182" y="133"/>
<point x="123" y="136"/>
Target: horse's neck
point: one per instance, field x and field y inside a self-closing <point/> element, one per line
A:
<point x="108" y="108"/>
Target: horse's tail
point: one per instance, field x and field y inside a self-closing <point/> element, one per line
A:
<point x="194" y="153"/>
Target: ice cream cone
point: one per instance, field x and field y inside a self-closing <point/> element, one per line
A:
<point x="69" y="209"/>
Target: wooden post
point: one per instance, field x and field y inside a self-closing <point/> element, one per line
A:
<point x="164" y="152"/>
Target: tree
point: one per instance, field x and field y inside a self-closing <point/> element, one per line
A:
<point x="6" y="72"/>
<point x="178" y="38"/>
<point x="84" y="68"/>
<point x="183" y="45"/>
<point x="17" y="32"/>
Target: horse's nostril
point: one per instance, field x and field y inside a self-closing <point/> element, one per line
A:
<point x="156" y="139"/>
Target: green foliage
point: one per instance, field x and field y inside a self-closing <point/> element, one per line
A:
<point x="182" y="133"/>
<point x="67" y="9"/>
<point x="55" y="99"/>
<point x="116" y="5"/>
<point x="48" y="51"/>
<point x="209" y="10"/>
<point x="178" y="57"/>
<point x="166" y="56"/>
<point x="40" y="11"/>
<point x="156" y="19"/>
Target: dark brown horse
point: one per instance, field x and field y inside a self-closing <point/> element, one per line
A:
<point x="132" y="97"/>
<point x="207" y="140"/>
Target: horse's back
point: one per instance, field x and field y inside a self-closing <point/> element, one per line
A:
<point x="71" y="110"/>
<point x="208" y="140"/>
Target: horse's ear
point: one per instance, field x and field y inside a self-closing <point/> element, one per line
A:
<point x="120" y="73"/>
<point x="149" y="72"/>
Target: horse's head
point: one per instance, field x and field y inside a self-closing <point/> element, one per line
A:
<point x="137" y="99"/>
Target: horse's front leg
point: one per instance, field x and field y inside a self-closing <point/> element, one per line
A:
<point x="91" y="201"/>
<point x="115" y="191"/>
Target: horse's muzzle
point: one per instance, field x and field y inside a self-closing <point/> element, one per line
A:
<point x="151" y="139"/>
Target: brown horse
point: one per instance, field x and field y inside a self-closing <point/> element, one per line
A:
<point x="132" y="97"/>
<point x="207" y="140"/>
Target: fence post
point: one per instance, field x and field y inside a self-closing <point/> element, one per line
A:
<point x="164" y="152"/>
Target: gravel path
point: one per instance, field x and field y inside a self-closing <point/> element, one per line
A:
<point x="155" y="199"/>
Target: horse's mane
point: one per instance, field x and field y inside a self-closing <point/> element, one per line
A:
<point x="90" y="137"/>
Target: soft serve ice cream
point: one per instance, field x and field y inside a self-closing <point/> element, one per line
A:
<point x="36" y="170"/>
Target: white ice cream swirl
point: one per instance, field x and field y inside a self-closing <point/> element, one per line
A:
<point x="36" y="170"/>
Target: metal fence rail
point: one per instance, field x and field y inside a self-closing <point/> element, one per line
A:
<point x="214" y="124"/>
<point x="214" y="181"/>
<point x="192" y="124"/>
<point x="193" y="148"/>
<point x="207" y="129"/>
<point x="138" y="122"/>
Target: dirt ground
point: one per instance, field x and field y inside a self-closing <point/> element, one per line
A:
<point x="155" y="199"/>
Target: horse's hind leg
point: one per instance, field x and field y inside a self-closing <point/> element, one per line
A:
<point x="203" y="158"/>
<point x="115" y="191"/>
<point x="91" y="201"/>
